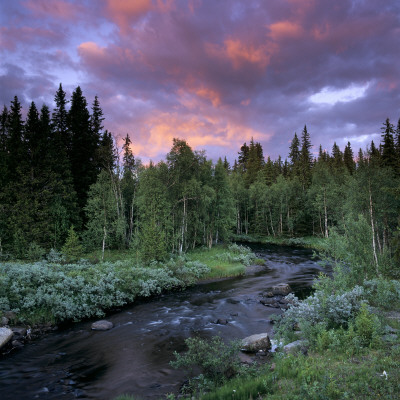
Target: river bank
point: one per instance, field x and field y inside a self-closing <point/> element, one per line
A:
<point x="133" y="357"/>
<point x="41" y="295"/>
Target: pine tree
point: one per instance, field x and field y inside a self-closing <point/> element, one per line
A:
<point x="305" y="161"/>
<point x="337" y="157"/>
<point x="243" y="157"/>
<point x="106" y="153"/>
<point x="374" y="155"/>
<point x="294" y="155"/>
<point x="348" y="159"/>
<point x="85" y="142"/>
<point x="226" y="165"/>
<point x="3" y="147"/>
<point x="16" y="143"/>
<point x="388" y="146"/>
<point x="255" y="162"/>
<point x="62" y="135"/>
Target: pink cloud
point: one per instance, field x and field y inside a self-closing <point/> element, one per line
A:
<point x="240" y="54"/>
<point x="285" y="29"/>
<point x="126" y="12"/>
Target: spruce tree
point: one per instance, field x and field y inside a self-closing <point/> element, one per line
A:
<point x="348" y="159"/>
<point x="388" y="146"/>
<point x="294" y="155"/>
<point x="337" y="157"/>
<point x="85" y="143"/>
<point x="305" y="161"/>
<point x="243" y="157"/>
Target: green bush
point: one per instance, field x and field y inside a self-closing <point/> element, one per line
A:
<point x="49" y="291"/>
<point x="35" y="252"/>
<point x="216" y="360"/>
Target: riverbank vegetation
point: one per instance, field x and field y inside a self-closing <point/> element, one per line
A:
<point x="54" y="290"/>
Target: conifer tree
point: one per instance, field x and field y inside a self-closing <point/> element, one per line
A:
<point x="337" y="157"/>
<point x="243" y="157"/>
<point x="85" y="143"/>
<point x="348" y="159"/>
<point x="388" y="146"/>
<point x="294" y="154"/>
<point x="305" y="161"/>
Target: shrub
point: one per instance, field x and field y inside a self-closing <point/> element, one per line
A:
<point x="35" y="252"/>
<point x="216" y="360"/>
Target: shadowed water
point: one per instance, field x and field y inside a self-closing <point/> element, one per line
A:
<point x="134" y="356"/>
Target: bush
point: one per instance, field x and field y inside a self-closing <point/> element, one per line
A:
<point x="383" y="293"/>
<point x="56" y="292"/>
<point x="216" y="360"/>
<point x="238" y="253"/>
<point x="35" y="252"/>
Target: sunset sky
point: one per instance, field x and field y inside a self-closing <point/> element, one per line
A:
<point x="213" y="72"/>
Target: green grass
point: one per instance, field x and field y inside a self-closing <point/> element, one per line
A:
<point x="219" y="268"/>
<point x="320" y="376"/>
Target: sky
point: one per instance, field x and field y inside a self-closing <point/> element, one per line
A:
<point x="214" y="72"/>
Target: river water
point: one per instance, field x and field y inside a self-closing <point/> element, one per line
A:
<point x="134" y="356"/>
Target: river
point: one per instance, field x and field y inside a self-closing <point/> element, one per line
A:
<point x="134" y="356"/>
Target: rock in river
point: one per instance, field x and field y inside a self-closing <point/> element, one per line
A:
<point x="282" y="289"/>
<point x="255" y="343"/>
<point x="102" y="325"/>
<point x="5" y="335"/>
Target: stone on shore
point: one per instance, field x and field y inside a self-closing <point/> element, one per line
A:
<point x="255" y="343"/>
<point x="296" y="346"/>
<point x="5" y="335"/>
<point x="102" y="325"/>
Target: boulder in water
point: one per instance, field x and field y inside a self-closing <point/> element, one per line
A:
<point x="102" y="325"/>
<point x="281" y="290"/>
<point x="255" y="343"/>
<point x="5" y="335"/>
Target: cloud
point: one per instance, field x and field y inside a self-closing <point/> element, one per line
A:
<point x="214" y="73"/>
<point x="57" y="9"/>
<point x="239" y="53"/>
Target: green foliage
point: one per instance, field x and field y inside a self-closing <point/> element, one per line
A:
<point x="72" y="248"/>
<point x="35" y="252"/>
<point x="50" y="291"/>
<point x="383" y="293"/>
<point x="19" y="245"/>
<point x="216" y="360"/>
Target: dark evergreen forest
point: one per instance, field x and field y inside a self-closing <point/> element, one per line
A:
<point x="64" y="181"/>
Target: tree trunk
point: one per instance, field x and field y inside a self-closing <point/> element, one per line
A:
<point x="325" y="215"/>
<point x="270" y="218"/>
<point x="104" y="244"/>
<point x="373" y="228"/>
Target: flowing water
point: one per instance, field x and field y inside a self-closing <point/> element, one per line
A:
<point x="134" y="356"/>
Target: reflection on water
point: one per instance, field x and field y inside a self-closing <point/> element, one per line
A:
<point x="134" y="356"/>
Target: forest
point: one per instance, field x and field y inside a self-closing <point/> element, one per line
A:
<point x="67" y="185"/>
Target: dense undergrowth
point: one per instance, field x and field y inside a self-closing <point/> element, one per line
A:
<point x="52" y="290"/>
<point x="349" y="331"/>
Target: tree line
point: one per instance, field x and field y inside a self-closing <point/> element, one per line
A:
<point x="63" y="178"/>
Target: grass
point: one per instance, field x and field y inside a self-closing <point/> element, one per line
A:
<point x="219" y="267"/>
<point x="330" y="375"/>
